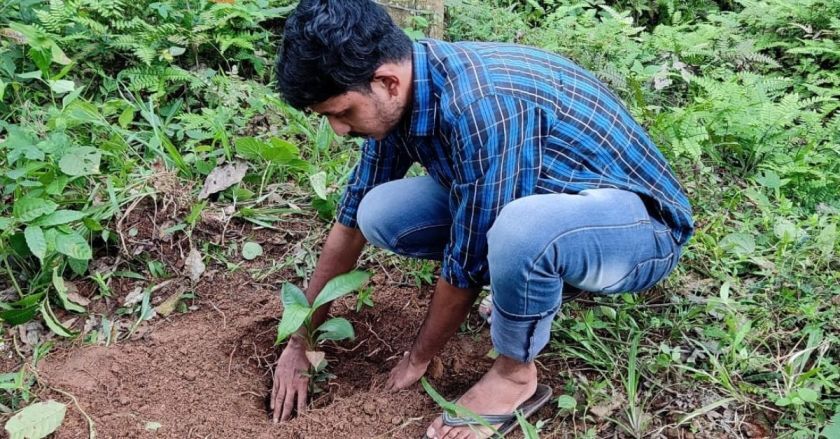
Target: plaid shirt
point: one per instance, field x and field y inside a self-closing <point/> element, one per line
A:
<point x="496" y="122"/>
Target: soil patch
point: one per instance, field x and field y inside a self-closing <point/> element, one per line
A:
<point x="207" y="373"/>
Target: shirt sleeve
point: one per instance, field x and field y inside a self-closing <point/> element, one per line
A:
<point x="380" y="162"/>
<point x="497" y="151"/>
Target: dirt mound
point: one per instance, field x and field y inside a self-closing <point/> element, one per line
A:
<point x="207" y="373"/>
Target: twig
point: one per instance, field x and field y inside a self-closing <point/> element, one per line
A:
<point x="91" y="429"/>
<point x="230" y="358"/>
<point x="224" y="319"/>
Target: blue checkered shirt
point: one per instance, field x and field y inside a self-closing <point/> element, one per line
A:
<point x="496" y="122"/>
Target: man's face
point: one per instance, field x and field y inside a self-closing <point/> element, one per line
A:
<point x="362" y="114"/>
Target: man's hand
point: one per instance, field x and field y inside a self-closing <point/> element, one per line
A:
<point x="290" y="381"/>
<point x="405" y="373"/>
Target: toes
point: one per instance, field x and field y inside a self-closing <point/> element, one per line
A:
<point x="434" y="430"/>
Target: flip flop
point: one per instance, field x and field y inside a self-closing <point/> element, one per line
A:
<point x="508" y="421"/>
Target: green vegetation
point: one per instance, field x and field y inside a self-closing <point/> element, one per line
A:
<point x="99" y="98"/>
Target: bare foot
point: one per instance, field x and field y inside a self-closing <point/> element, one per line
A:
<point x="500" y="391"/>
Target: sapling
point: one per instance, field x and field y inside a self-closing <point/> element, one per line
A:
<point x="297" y="313"/>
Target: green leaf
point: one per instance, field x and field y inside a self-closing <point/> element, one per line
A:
<point x="295" y="311"/>
<point x="19" y="316"/>
<point x="59" y="217"/>
<point x="52" y="322"/>
<point x="61" y="289"/>
<point x="27" y="209"/>
<point x="73" y="245"/>
<point x="177" y="51"/>
<point x="126" y="117"/>
<point x="62" y="86"/>
<point x="339" y="286"/>
<point x="739" y="244"/>
<point x="336" y="329"/>
<point x="832" y="430"/>
<point x="251" y="250"/>
<point x="79" y="266"/>
<point x="281" y="151"/>
<point x="36" y="241"/>
<point x="36" y="420"/>
<point x="250" y="148"/>
<point x="319" y="184"/>
<point x="79" y="161"/>
<point x="566" y="402"/>
<point x="808" y="395"/>
<point x="6" y="223"/>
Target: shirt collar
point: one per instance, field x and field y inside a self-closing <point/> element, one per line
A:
<point x="423" y="108"/>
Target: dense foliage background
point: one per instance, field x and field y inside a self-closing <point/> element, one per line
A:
<point x="96" y="97"/>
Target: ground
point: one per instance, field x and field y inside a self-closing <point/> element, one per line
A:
<point x="207" y="372"/>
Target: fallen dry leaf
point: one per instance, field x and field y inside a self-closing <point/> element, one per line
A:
<point x="194" y="265"/>
<point x="223" y="177"/>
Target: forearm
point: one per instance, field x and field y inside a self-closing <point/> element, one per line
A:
<point x="338" y="256"/>
<point x="447" y="310"/>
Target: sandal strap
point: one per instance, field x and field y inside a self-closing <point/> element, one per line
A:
<point x="454" y="421"/>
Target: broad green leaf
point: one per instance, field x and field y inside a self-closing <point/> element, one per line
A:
<point x="27" y="209"/>
<point x="319" y="184"/>
<point x="126" y="117"/>
<point x="79" y="266"/>
<point x="826" y="241"/>
<point x="36" y="241"/>
<point x="73" y="245"/>
<point x="281" y="151"/>
<point x="5" y="223"/>
<point x="79" y="161"/>
<point x="58" y="55"/>
<point x="52" y="322"/>
<point x="35" y="74"/>
<point x="339" y="286"/>
<point x="295" y="311"/>
<point x="336" y="329"/>
<point x="808" y="395"/>
<point x="566" y="402"/>
<point x="251" y="250"/>
<point x="739" y="244"/>
<point x="61" y="289"/>
<point x="83" y="112"/>
<point x="250" y="148"/>
<point x="832" y="430"/>
<point x="19" y="316"/>
<point x="62" y="86"/>
<point x="59" y="217"/>
<point x="177" y="51"/>
<point x="36" y="421"/>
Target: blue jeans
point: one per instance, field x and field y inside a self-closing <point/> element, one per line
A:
<point x="600" y="240"/>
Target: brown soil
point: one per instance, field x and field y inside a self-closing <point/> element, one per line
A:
<point x="207" y="373"/>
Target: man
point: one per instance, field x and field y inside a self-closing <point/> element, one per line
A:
<point x="537" y="177"/>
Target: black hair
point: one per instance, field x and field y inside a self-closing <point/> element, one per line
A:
<point x="331" y="47"/>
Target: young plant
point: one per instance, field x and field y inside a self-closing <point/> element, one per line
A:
<point x="297" y="313"/>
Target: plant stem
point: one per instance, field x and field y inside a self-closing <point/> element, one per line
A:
<point x="12" y="275"/>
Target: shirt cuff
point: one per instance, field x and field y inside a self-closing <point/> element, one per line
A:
<point x="454" y="273"/>
<point x="347" y="209"/>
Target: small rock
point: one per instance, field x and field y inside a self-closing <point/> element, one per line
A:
<point x="190" y="375"/>
<point x="369" y="408"/>
<point x="115" y="368"/>
<point x="436" y="368"/>
<point x="396" y="420"/>
<point x="357" y="420"/>
<point x="124" y="400"/>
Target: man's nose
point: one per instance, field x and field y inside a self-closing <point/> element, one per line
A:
<point x="340" y="128"/>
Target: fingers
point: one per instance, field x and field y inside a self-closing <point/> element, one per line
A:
<point x="302" y="398"/>
<point x="288" y="405"/>
<point x="278" y="404"/>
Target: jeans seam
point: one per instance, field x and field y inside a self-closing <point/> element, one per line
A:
<point x="393" y="243"/>
<point x="670" y="256"/>
<point x="563" y="235"/>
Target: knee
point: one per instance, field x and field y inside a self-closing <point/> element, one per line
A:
<point x="512" y="234"/>
<point x="376" y="217"/>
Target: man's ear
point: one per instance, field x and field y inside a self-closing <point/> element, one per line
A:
<point x="387" y="76"/>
